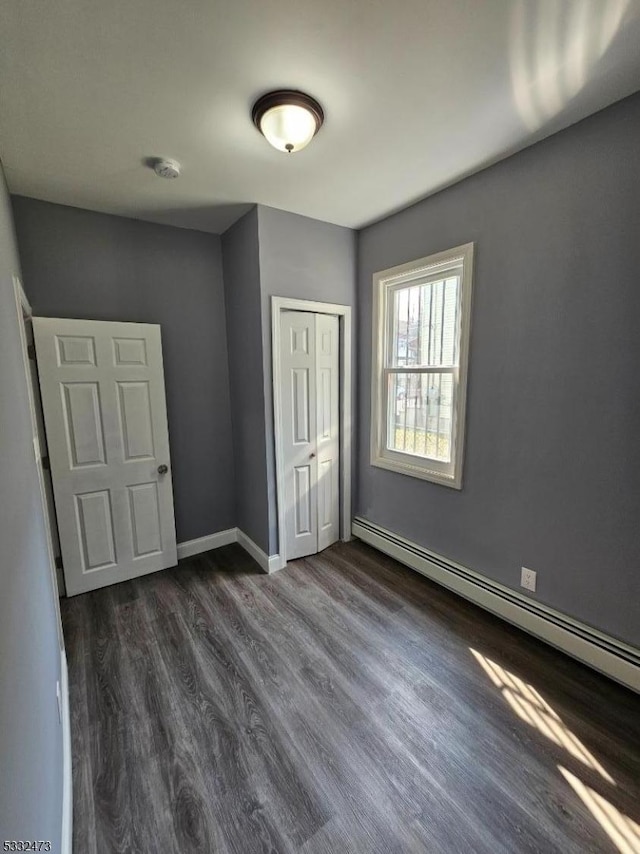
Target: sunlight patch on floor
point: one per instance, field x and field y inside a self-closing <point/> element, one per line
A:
<point x="531" y="707"/>
<point x="623" y="831"/>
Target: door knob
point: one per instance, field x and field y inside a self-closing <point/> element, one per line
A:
<point x="163" y="469"/>
<point x="311" y="456"/>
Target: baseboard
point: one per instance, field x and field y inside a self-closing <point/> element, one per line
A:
<point x="205" y="544"/>
<point x="268" y="563"/>
<point x="604" y="653"/>
<point x="67" y="782"/>
<point x="276" y="562"/>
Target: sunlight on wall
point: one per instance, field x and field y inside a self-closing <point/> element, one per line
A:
<point x="623" y="832"/>
<point x="531" y="707"/>
<point x="554" y="46"/>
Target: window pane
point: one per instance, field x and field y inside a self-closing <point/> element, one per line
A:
<point x="424" y="321"/>
<point x="420" y="417"/>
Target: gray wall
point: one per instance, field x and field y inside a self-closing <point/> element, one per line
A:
<point x="30" y="733"/>
<point x="306" y="259"/>
<point x="244" y="329"/>
<point x="82" y="264"/>
<point x="552" y="470"/>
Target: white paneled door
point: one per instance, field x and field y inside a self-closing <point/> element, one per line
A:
<point x="310" y="430"/>
<point x="104" y="406"/>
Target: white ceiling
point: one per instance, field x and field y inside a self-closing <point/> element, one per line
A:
<point x="417" y="93"/>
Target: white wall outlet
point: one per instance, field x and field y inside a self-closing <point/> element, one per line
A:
<point x="528" y="579"/>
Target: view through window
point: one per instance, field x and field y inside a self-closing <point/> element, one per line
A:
<point x="420" y="355"/>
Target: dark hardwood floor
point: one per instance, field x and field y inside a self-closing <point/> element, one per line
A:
<point x="344" y="704"/>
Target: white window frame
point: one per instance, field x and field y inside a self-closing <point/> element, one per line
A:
<point x="384" y="282"/>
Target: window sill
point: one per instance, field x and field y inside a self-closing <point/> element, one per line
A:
<point x="423" y="472"/>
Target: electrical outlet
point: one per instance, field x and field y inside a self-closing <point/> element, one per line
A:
<point x="528" y="579"/>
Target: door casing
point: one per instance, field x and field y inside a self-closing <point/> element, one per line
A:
<point x="344" y="313"/>
<point x="24" y="313"/>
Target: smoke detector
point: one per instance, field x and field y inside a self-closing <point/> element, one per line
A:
<point x="165" y="168"/>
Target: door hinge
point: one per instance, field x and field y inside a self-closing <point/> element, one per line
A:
<point x="46" y="464"/>
<point x="58" y="562"/>
<point x="31" y="352"/>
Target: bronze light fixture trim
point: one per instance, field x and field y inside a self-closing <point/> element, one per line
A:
<point x="288" y="119"/>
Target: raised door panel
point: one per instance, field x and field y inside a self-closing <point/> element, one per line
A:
<point x="326" y="474"/>
<point x="300" y="405"/>
<point x="299" y="340"/>
<point x="83" y="422"/>
<point x="95" y="530"/>
<point x="76" y="350"/>
<point x="136" y="420"/>
<point x="144" y="512"/>
<point x="325" y="404"/>
<point x="130" y="351"/>
<point x="302" y="499"/>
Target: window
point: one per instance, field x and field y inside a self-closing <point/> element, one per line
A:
<point x="420" y="349"/>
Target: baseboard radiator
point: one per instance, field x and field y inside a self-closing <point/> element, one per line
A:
<point x="604" y="653"/>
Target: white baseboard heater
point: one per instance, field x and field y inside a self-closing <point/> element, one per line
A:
<point x="600" y="651"/>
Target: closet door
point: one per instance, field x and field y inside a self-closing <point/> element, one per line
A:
<point x="298" y="376"/>
<point x="328" y="428"/>
<point x="310" y="430"/>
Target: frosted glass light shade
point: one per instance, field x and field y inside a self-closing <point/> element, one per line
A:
<point x="288" y="119"/>
<point x="289" y="127"/>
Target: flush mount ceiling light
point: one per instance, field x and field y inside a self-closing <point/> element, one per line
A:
<point x="287" y="119"/>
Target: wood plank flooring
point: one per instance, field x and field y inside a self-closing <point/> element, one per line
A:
<point x="344" y="704"/>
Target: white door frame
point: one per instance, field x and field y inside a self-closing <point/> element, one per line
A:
<point x="24" y="312"/>
<point x="278" y="305"/>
